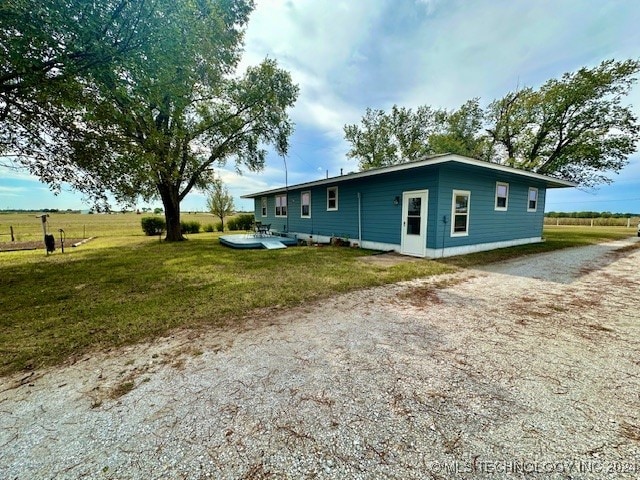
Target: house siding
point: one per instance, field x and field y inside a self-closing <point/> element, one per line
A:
<point x="381" y="220"/>
<point x="487" y="225"/>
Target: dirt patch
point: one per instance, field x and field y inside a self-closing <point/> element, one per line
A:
<point x="389" y="259"/>
<point x="38" y="245"/>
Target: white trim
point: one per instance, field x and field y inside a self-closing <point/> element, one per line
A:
<point x="424" y="214"/>
<point x="430" y="252"/>
<point x="302" y="203"/>
<point x="531" y="189"/>
<point x="335" y="209"/>
<point x="506" y="200"/>
<point x="479" y="247"/>
<point x="550" y="182"/>
<point x="453" y="212"/>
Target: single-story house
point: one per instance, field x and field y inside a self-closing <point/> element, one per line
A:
<point x="441" y="206"/>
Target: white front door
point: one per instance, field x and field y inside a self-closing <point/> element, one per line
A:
<point x="414" y="223"/>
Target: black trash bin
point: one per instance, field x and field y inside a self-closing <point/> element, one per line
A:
<point x="50" y="243"/>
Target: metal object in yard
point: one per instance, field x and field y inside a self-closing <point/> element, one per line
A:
<point x="62" y="238"/>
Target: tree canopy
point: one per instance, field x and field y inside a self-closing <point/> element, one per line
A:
<point x="149" y="119"/>
<point x="575" y="127"/>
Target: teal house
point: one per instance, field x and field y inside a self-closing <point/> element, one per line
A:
<point x="437" y="207"/>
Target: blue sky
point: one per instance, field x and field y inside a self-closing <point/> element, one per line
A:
<point x="350" y="55"/>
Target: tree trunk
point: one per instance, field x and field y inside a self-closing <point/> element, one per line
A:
<point x="171" y="202"/>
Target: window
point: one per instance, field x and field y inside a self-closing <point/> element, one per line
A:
<point x="332" y="198"/>
<point x="502" y="195"/>
<point x="532" y="204"/>
<point x="263" y="201"/>
<point x="281" y="205"/>
<point x="460" y="213"/>
<point x="305" y="204"/>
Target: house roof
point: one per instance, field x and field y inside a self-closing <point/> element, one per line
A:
<point x="433" y="160"/>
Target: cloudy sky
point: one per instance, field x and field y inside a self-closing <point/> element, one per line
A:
<point x="350" y="55"/>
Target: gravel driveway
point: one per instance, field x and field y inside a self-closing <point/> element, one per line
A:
<point x="524" y="369"/>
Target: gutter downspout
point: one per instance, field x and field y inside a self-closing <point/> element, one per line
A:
<point x="359" y="221"/>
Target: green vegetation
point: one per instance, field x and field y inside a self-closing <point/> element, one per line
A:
<point x="124" y="289"/>
<point x="153" y="225"/>
<point x="116" y="291"/>
<point x="556" y="238"/>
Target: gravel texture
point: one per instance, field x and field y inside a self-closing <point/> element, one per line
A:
<point x="524" y="369"/>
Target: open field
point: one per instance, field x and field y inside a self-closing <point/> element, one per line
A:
<point x="118" y="290"/>
<point x="27" y="227"/>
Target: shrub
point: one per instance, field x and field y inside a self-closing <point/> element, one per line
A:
<point x="190" y="227"/>
<point x="209" y="228"/>
<point x="219" y="227"/>
<point x="241" y="222"/>
<point x="153" y="225"/>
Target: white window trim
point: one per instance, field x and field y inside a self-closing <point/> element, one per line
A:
<point x="264" y="207"/>
<point x="301" y="204"/>
<point x="286" y="204"/>
<point x="453" y="212"/>
<point x="506" y="203"/>
<point x="336" y="207"/>
<point x="531" y="189"/>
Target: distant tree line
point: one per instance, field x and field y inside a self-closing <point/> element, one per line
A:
<point x="587" y="214"/>
<point x="40" y="210"/>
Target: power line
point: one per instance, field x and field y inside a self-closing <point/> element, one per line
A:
<point x="593" y="201"/>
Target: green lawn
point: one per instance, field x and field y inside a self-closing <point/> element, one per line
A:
<point x="116" y="291"/>
<point x="121" y="290"/>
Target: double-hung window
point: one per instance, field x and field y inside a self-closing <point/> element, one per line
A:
<point x="281" y="205"/>
<point x="460" y="213"/>
<point x="332" y="198"/>
<point x="502" y="196"/>
<point x="532" y="201"/>
<point x="305" y="204"/>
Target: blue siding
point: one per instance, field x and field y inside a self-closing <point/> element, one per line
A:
<point x="485" y="223"/>
<point x="381" y="219"/>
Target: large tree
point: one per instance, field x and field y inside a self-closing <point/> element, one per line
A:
<point x="575" y="127"/>
<point x="154" y="121"/>
<point x="405" y="135"/>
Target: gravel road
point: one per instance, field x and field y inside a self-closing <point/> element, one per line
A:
<point x="524" y="369"/>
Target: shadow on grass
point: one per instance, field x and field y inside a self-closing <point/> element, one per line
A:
<point x="64" y="305"/>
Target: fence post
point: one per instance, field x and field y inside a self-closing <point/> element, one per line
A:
<point x="12" y="237"/>
<point x="592" y="222"/>
<point x="628" y="222"/>
<point x="557" y="221"/>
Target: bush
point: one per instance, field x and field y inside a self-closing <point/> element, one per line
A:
<point x="209" y="228"/>
<point x="190" y="227"/>
<point x="241" y="222"/>
<point x="219" y="227"/>
<point x="153" y="225"/>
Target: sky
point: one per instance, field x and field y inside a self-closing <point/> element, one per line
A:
<point x="347" y="56"/>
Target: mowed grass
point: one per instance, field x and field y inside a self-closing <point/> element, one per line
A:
<point x="556" y="238"/>
<point x="121" y="290"/>
<point x="116" y="291"/>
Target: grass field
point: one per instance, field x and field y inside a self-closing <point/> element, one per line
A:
<point x="76" y="225"/>
<point x="121" y="289"/>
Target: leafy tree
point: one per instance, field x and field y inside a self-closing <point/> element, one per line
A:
<point x="153" y="121"/>
<point x="405" y="135"/>
<point x="574" y="127"/>
<point x="45" y="47"/>
<point x="220" y="201"/>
